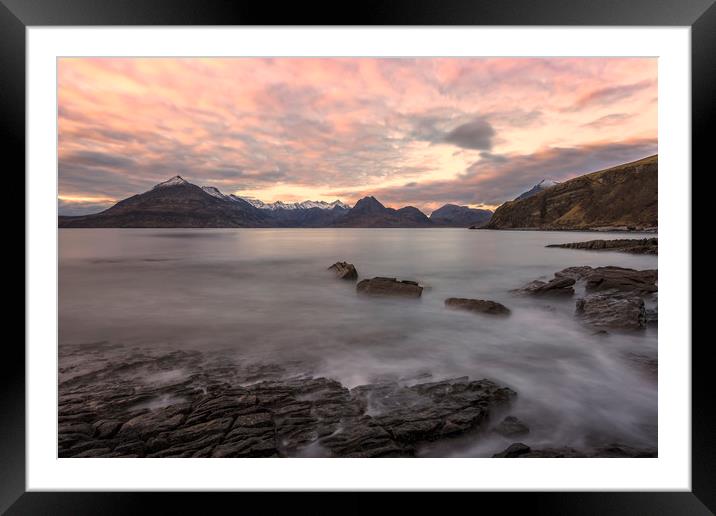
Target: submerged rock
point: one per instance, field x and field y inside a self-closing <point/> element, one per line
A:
<point x="511" y="427"/>
<point x="379" y="286"/>
<point x="521" y="450"/>
<point x="477" y="305"/>
<point x="647" y="365"/>
<point x="604" y="311"/>
<point x="344" y="271"/>
<point x="513" y="450"/>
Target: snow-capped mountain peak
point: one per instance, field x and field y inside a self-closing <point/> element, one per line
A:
<point x="305" y="205"/>
<point x="542" y="185"/>
<point x="547" y="183"/>
<point x="174" y="181"/>
<point x="213" y="191"/>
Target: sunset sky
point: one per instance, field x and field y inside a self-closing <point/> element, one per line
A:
<point x="417" y="131"/>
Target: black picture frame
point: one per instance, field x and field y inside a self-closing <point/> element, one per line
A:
<point x="17" y="15"/>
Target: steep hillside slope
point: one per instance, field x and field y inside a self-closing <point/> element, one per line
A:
<point x="624" y="196"/>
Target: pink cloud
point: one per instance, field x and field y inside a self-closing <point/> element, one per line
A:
<point x="335" y="124"/>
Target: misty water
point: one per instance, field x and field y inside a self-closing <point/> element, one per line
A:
<point x="265" y="296"/>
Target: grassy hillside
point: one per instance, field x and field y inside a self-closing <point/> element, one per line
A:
<point x="621" y="196"/>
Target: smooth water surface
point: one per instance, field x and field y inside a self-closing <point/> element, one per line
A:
<point x="264" y="295"/>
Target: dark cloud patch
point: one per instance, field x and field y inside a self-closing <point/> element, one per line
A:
<point x="609" y="95"/>
<point x="494" y="158"/>
<point x="471" y="132"/>
<point x="476" y="135"/>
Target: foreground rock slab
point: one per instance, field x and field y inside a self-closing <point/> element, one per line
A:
<point x="220" y="408"/>
<point x="477" y="305"/>
<point x="344" y="271"/>
<point x="604" y="311"/>
<point x="625" y="245"/>
<point x="380" y="286"/>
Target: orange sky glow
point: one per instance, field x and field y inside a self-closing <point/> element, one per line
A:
<point x="413" y="131"/>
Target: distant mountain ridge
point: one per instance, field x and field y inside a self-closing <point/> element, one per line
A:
<point x="460" y="216"/>
<point x="179" y="203"/>
<point x="369" y="212"/>
<point x="624" y="196"/>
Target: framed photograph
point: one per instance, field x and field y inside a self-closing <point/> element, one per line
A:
<point x="419" y="252"/>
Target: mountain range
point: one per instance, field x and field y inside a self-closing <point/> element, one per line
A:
<point x="178" y="203"/>
<point x="625" y="196"/>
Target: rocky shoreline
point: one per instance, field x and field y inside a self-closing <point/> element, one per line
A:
<point x="624" y="245"/>
<point x="179" y="403"/>
<point x="227" y="409"/>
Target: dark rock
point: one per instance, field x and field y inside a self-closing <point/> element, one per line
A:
<point x="151" y="422"/>
<point x="605" y="311"/>
<point x="76" y="428"/>
<point x="477" y="305"/>
<point x="621" y="450"/>
<point x="430" y="411"/>
<point x="562" y="286"/>
<point x="344" y="270"/>
<point x="258" y="419"/>
<point x="513" y="450"/>
<point x="225" y="412"/>
<point x="612" y="450"/>
<point x="621" y="279"/>
<point x="224" y="403"/>
<point x="131" y="447"/>
<point x="200" y="431"/>
<point x="555" y="453"/>
<point x="379" y="286"/>
<point x="576" y="273"/>
<point x="248" y="442"/>
<point x="362" y="437"/>
<point x="97" y="452"/>
<point x="105" y="429"/>
<point x="512" y="427"/>
<point x="626" y="245"/>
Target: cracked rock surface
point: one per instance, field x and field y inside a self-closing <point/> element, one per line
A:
<point x="201" y="404"/>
